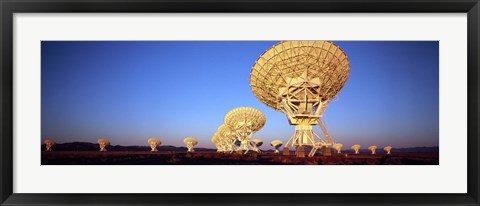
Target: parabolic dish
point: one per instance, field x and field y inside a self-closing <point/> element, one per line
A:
<point x="190" y="140"/>
<point x="355" y="146"/>
<point x="215" y="139"/>
<point x="103" y="141"/>
<point x="223" y="131"/>
<point x="49" y="141"/>
<point x="322" y="61"/>
<point x="154" y="140"/>
<point x="257" y="142"/>
<point x="245" y="116"/>
<point x="336" y="146"/>
<point x="276" y="143"/>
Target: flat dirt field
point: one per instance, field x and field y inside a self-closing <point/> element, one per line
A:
<point x="213" y="158"/>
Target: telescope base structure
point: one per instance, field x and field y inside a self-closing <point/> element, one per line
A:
<point x="233" y="148"/>
<point x="228" y="149"/>
<point x="326" y="151"/>
<point x="286" y="151"/>
<point x="256" y="149"/>
<point x="304" y="136"/>
<point x="300" y="151"/>
<point x="245" y="146"/>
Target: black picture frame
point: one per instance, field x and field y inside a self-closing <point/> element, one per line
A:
<point x="9" y="7"/>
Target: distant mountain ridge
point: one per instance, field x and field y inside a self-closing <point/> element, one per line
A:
<point x="408" y="149"/>
<point x="87" y="146"/>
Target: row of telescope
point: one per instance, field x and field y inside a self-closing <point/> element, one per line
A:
<point x="190" y="142"/>
<point x="225" y="145"/>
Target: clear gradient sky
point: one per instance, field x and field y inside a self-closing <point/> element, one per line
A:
<point x="128" y="91"/>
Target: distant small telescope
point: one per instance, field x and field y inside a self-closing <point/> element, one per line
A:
<point x="190" y="142"/>
<point x="48" y="145"/>
<point x="103" y="143"/>
<point x="255" y="144"/>
<point x="372" y="149"/>
<point x="387" y="149"/>
<point x="338" y="147"/>
<point x="276" y="144"/>
<point x="154" y="143"/>
<point x="356" y="148"/>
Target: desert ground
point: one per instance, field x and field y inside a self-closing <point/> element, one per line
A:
<point x="214" y="158"/>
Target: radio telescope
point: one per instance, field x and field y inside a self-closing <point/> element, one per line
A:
<point x="227" y="138"/>
<point x="103" y="143"/>
<point x="154" y="142"/>
<point x="48" y="145"/>
<point x="255" y="144"/>
<point x="244" y="122"/>
<point x="216" y="142"/>
<point x="388" y="149"/>
<point x="372" y="148"/>
<point x="276" y="144"/>
<point x="300" y="78"/>
<point x="219" y="141"/>
<point x="190" y="142"/>
<point x="355" y="148"/>
<point x="338" y="147"/>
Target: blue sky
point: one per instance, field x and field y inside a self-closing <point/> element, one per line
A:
<point x="128" y="91"/>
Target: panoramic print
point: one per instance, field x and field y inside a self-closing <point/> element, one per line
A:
<point x="317" y="102"/>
